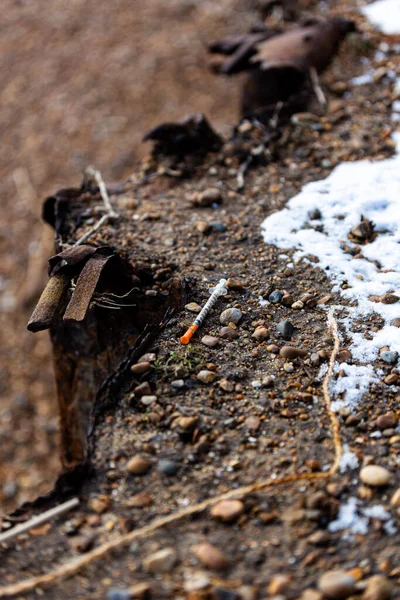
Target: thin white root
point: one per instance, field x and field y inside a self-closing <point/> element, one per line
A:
<point x="317" y="87"/>
<point x="39" y="520"/>
<point x="110" y="212"/>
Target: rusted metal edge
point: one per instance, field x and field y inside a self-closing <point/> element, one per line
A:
<point x="46" y="309"/>
<point x="85" y="288"/>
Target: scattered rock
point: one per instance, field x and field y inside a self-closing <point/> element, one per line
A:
<point x="268" y="381"/>
<point x="209" y="197"/>
<point x="211" y="557"/>
<point x="228" y="333"/>
<point x="202" y="226"/>
<point x="149" y="357"/>
<point x="230" y="315"/>
<point x="138" y="465"/>
<point x="395" y="322"/>
<point x="378" y="588"/>
<point x="343" y="356"/>
<point x="143" y="389"/>
<point x="286" y="329"/>
<point x="314" y="215"/>
<point x="336" y="584"/>
<point x="311" y="594"/>
<point x="100" y="504"/>
<point x="210" y="341"/>
<point x="391" y="379"/>
<point x="234" y="284"/>
<point x="279" y="584"/>
<point x="291" y="352"/>
<point x="167" y="466"/>
<point x="140" y="368"/>
<point x="226" y="385"/>
<point x="193" y="307"/>
<point x="260" y="333"/>
<point x="140" y="591"/>
<point x="287" y="300"/>
<point x="227" y="510"/>
<point x="140" y="500"/>
<point x="162" y="561"/>
<point x="196" y="581"/>
<point x="389" y="357"/>
<point x="118" y="594"/>
<point x="395" y="499"/>
<point x="148" y="400"/>
<point x="298" y="305"/>
<point x="206" y="376"/>
<point x="252" y="423"/>
<point x="387" y="421"/>
<point x="275" y="297"/>
<point x="389" y="298"/>
<point x="375" y="476"/>
<point x="187" y="423"/>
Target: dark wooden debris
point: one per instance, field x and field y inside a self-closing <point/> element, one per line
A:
<point x="191" y="135"/>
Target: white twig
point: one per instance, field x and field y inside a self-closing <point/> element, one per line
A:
<point x="39" y="519"/>
<point x="316" y="87"/>
<point x="110" y="214"/>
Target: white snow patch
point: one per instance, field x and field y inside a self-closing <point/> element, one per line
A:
<point x="352" y="190"/>
<point x="262" y="302"/>
<point x="384" y="14"/>
<point x="355" y="519"/>
<point x="348" y="460"/>
<point x="364" y="79"/>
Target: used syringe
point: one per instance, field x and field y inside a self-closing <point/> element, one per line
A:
<point x="219" y="290"/>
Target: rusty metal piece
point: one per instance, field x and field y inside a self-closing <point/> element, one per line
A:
<point x="85" y="288"/>
<point x="70" y="257"/>
<point x="46" y="309"/>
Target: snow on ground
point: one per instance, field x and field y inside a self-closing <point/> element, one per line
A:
<point x="384" y="15"/>
<point x="352" y="190"/>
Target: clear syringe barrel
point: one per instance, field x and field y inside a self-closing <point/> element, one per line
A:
<point x="219" y="290"/>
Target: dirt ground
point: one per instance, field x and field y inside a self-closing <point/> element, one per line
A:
<point x="81" y="82"/>
<point x="254" y="416"/>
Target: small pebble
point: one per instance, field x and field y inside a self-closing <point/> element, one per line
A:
<point x="230" y="315"/>
<point x="138" y="465"/>
<point x="228" y="333"/>
<point x="162" y="561"/>
<point x="140" y="368"/>
<point x="311" y="594"/>
<point x="167" y="466"/>
<point x="286" y="329"/>
<point x="275" y="297"/>
<point x="378" y="588"/>
<point x="267" y="381"/>
<point x="187" y="423"/>
<point x="314" y="215"/>
<point x="387" y="421"/>
<point x="149" y="357"/>
<point x="206" y="376"/>
<point x="209" y="197"/>
<point x="226" y="385"/>
<point x="287" y="300"/>
<point x="210" y="341"/>
<point x="193" y="307"/>
<point x="375" y="476"/>
<point x="279" y="584"/>
<point x="143" y="389"/>
<point x="252" y="423"/>
<point x="389" y="357"/>
<point x="140" y="591"/>
<point x="196" y="581"/>
<point x="391" y="379"/>
<point x="260" y="333"/>
<point x="298" y="305"/>
<point x="336" y="585"/>
<point x="118" y="594"/>
<point x="227" y="510"/>
<point x="291" y="352"/>
<point x="211" y="557"/>
<point x="148" y="400"/>
<point x="234" y="284"/>
<point x="395" y="322"/>
<point x="395" y="499"/>
<point x="288" y="367"/>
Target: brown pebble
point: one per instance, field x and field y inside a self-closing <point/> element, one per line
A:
<point x="387" y="421"/>
<point x="378" y="588"/>
<point x="291" y="352"/>
<point x="206" y="376"/>
<point x="162" y="561"/>
<point x="143" y="389"/>
<point x="226" y="385"/>
<point x="343" y="356"/>
<point x="202" y="226"/>
<point x="149" y="357"/>
<point x="252" y="423"/>
<point x="193" y="307"/>
<point x="311" y="594"/>
<point x="140" y="591"/>
<point x="100" y="504"/>
<point x="336" y="585"/>
<point x="140" y="500"/>
<point x="140" y="368"/>
<point x="228" y="333"/>
<point x="138" y="465"/>
<point x="324" y="299"/>
<point x="211" y="557"/>
<point x="391" y="379"/>
<point x="279" y="584"/>
<point x="208" y="197"/>
<point x="210" y="341"/>
<point x="395" y="499"/>
<point x="395" y="322"/>
<point x="234" y="284"/>
<point x="287" y="300"/>
<point x="375" y="476"/>
<point x="260" y="333"/>
<point x="389" y="298"/>
<point x="187" y="423"/>
<point x="227" y="510"/>
<point x="273" y="348"/>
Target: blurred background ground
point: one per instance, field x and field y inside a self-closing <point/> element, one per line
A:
<point x="80" y="82"/>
